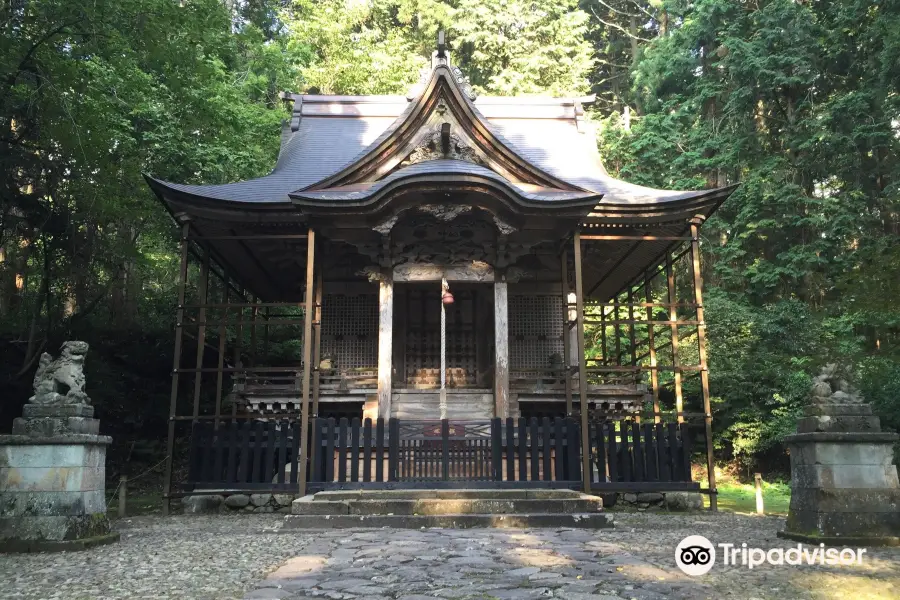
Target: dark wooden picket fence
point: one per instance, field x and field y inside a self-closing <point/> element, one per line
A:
<point x="262" y="455"/>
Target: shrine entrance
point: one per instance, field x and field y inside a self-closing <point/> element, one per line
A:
<point x="469" y="335"/>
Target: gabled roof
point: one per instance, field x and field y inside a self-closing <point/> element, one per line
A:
<point x="371" y="157"/>
<point x="334" y="141"/>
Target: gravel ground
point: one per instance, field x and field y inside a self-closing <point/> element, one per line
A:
<point x="245" y="556"/>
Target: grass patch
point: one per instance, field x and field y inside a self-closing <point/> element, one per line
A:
<point x="741" y="498"/>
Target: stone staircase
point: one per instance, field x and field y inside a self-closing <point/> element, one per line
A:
<point x="413" y="509"/>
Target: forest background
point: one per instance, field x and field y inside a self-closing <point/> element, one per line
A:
<point x="798" y="101"/>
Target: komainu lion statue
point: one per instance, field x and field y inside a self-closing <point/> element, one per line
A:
<point x="830" y="388"/>
<point x="61" y="380"/>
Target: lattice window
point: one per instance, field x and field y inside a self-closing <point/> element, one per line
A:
<point x="350" y="330"/>
<point x="535" y="331"/>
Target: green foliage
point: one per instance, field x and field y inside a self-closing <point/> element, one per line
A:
<point x="506" y="47"/>
<point x="798" y="102"/>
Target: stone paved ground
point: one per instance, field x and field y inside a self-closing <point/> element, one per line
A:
<point x="245" y="556"/>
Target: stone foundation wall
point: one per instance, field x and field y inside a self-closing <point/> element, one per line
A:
<point x="673" y="501"/>
<point x="233" y="503"/>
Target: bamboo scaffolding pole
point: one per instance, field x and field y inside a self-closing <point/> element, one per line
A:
<point x="176" y="362"/>
<point x="704" y="372"/>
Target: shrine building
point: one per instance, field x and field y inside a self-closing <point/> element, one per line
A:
<point x="439" y="264"/>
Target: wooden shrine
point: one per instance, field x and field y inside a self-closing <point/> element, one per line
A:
<point x="439" y="258"/>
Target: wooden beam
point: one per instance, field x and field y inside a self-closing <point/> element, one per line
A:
<point x="704" y="372"/>
<point x="582" y="373"/>
<point x="501" y="345"/>
<point x="307" y="359"/>
<point x="176" y="363"/>
<point x="385" y="344"/>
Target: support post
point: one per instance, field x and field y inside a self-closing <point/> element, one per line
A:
<point x="123" y="496"/>
<point x="307" y="359"/>
<point x="651" y="338"/>
<point x="223" y="339"/>
<point x="176" y="364"/>
<point x="501" y="345"/>
<point x="201" y="331"/>
<point x="385" y="343"/>
<point x="760" y="507"/>
<point x="633" y="343"/>
<point x="317" y="343"/>
<point x="567" y="349"/>
<point x="254" y="317"/>
<point x="617" y="330"/>
<point x="582" y="371"/>
<point x="266" y="335"/>
<point x="673" y="318"/>
<point x="704" y="369"/>
<point x="239" y="344"/>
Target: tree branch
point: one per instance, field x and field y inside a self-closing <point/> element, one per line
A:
<point x="618" y="27"/>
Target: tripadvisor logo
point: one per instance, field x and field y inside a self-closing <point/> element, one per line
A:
<point x="696" y="555"/>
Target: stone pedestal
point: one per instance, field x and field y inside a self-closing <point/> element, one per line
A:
<point x="52" y="480"/>
<point x="844" y="487"/>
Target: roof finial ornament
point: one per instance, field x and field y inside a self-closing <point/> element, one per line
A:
<point x="441" y="44"/>
<point x="441" y="56"/>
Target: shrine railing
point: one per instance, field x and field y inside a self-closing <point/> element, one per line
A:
<point x="345" y="454"/>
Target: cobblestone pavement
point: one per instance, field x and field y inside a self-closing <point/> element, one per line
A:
<point x="245" y="556"/>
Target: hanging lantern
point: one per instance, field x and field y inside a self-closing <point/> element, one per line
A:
<point x="446" y="296"/>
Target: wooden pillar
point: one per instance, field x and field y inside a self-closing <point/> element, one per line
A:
<point x="617" y="330"/>
<point x="704" y="370"/>
<point x="266" y="335"/>
<point x="254" y="317"/>
<point x="673" y="323"/>
<point x="317" y="343"/>
<point x="603" y="333"/>
<point x="501" y="345"/>
<point x="223" y="339"/>
<point x="582" y="371"/>
<point x="632" y="341"/>
<point x="238" y="350"/>
<point x="385" y="344"/>
<point x="567" y="348"/>
<point x="176" y="364"/>
<point x="651" y="338"/>
<point x="307" y="358"/>
<point x="201" y="331"/>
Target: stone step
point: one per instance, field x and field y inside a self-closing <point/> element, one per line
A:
<point x="452" y="521"/>
<point x="587" y="504"/>
<point x="444" y="494"/>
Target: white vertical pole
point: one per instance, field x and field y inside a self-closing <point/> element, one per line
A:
<point x="444" y="286"/>
<point x="385" y="344"/>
